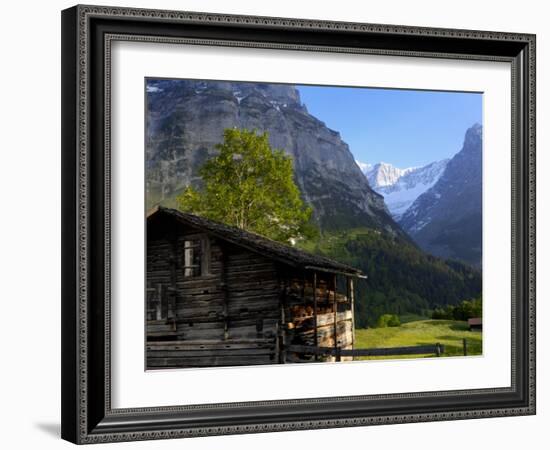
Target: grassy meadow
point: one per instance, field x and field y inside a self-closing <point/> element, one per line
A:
<point x="421" y="332"/>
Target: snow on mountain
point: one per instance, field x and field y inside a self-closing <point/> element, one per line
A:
<point x="365" y="167"/>
<point x="383" y="174"/>
<point x="401" y="187"/>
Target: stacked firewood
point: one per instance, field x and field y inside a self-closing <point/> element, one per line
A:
<point x="297" y="294"/>
<point x="301" y="312"/>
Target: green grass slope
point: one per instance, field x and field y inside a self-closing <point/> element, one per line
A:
<point x="425" y="332"/>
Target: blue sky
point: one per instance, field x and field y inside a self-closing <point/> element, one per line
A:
<point x="402" y="127"/>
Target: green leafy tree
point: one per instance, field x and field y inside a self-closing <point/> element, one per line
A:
<point x="388" y="320"/>
<point x="251" y="186"/>
<point x="465" y="310"/>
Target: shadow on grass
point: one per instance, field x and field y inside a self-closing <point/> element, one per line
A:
<point x="454" y="325"/>
<point x="452" y="338"/>
<point x="442" y="340"/>
<point x="459" y="326"/>
<point x="437" y="322"/>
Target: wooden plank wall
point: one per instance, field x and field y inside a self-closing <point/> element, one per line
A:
<point x="228" y="317"/>
<point x="233" y="314"/>
<point x="159" y="255"/>
<point x="253" y="295"/>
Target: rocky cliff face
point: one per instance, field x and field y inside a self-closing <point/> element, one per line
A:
<point x="186" y="119"/>
<point x="447" y="219"/>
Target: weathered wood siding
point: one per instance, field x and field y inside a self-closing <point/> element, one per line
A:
<point x="209" y="353"/>
<point x="235" y="308"/>
<point x="159" y="278"/>
<point x="226" y="317"/>
<point x="253" y="295"/>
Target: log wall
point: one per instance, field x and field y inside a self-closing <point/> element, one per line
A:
<point x="241" y="308"/>
<point x="229" y="316"/>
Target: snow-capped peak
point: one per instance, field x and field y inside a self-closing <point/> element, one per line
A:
<point x="365" y="167"/>
<point x="401" y="187"/>
<point x="382" y="174"/>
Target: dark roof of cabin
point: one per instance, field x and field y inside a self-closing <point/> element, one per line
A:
<point x="260" y="244"/>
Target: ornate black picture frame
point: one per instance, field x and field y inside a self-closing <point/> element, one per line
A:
<point x="87" y="34"/>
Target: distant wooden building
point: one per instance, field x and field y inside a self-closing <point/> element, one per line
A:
<point x="221" y="296"/>
<point x="475" y="324"/>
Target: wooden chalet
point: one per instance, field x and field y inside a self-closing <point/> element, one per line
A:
<point x="221" y="296"/>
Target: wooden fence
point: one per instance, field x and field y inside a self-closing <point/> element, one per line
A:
<point x="436" y="349"/>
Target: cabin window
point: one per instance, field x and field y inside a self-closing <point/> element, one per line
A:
<point x="196" y="257"/>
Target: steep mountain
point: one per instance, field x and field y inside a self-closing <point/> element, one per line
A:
<point x="405" y="185"/>
<point x="186" y="119"/>
<point x="447" y="219"/>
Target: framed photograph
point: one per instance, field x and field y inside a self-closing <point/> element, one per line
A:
<point x="283" y="224"/>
